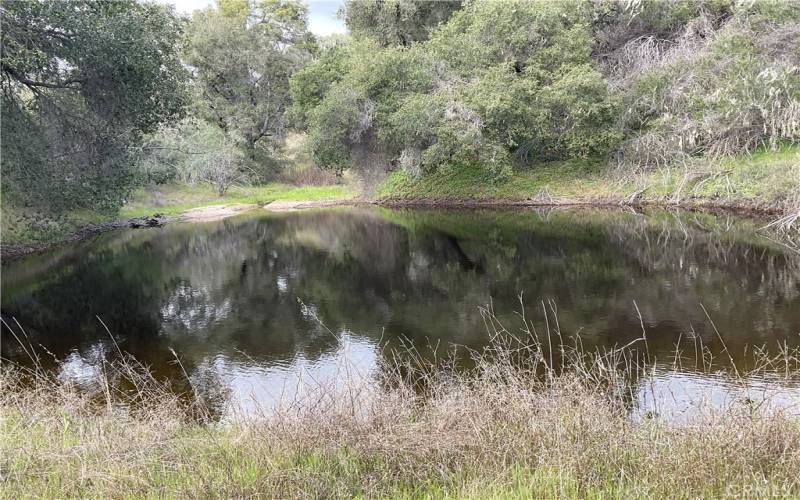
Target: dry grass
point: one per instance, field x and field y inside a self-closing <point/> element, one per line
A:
<point x="788" y="225"/>
<point x="299" y="169"/>
<point x="308" y="176"/>
<point x="700" y="94"/>
<point x="522" y="422"/>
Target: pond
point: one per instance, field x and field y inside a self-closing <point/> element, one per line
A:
<point x="262" y="302"/>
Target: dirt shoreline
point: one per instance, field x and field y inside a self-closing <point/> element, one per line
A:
<point x="14" y="251"/>
<point x="214" y="212"/>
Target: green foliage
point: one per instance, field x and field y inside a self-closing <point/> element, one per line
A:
<point x="353" y="118"/>
<point x="192" y="152"/>
<point x="540" y="38"/>
<point x="309" y="85"/>
<point x="510" y="83"/>
<point x="81" y="82"/>
<point x="727" y="83"/>
<point x="397" y="22"/>
<point x="338" y="122"/>
<point x="242" y="56"/>
<point x="499" y="82"/>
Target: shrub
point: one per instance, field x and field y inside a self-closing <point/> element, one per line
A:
<point x="195" y="151"/>
<point x="498" y="81"/>
<point x="723" y="87"/>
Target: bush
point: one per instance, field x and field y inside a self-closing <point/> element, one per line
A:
<point x="195" y="151"/>
<point x="499" y="81"/>
<point x="726" y="85"/>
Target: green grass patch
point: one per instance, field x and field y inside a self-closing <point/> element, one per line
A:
<point x="767" y="177"/>
<point x="20" y="225"/>
<point x="100" y="456"/>
<point x="172" y="199"/>
<point x="462" y="182"/>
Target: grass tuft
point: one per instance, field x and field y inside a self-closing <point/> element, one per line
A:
<point x="517" y="424"/>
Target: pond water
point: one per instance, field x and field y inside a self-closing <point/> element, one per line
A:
<point x="263" y="302"/>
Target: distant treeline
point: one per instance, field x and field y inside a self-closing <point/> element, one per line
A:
<point x="99" y="96"/>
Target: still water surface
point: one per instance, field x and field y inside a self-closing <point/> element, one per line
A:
<point x="264" y="302"/>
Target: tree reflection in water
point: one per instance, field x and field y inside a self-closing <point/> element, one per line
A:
<point x="248" y="302"/>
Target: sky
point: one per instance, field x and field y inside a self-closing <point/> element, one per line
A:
<point x="322" y="18"/>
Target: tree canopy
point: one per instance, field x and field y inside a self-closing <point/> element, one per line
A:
<point x="82" y="80"/>
<point x="242" y="56"/>
<point x="396" y="22"/>
<point x="510" y="83"/>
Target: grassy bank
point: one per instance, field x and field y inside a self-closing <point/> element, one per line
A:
<point x="511" y="427"/>
<point x="766" y="180"/>
<point x="172" y="199"/>
<point x="22" y="227"/>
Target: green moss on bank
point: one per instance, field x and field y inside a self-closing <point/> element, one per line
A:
<point x="471" y="182"/>
<point x="768" y="178"/>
